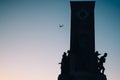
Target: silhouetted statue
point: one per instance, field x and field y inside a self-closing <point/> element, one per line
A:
<point x="97" y="60"/>
<point x="97" y="54"/>
<point x="100" y="63"/>
<point x="64" y="63"/>
<point x="68" y="51"/>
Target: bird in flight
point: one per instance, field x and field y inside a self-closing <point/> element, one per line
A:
<point x="61" y="25"/>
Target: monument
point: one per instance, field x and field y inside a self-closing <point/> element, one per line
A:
<point x="81" y="61"/>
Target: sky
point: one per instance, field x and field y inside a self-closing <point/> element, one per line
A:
<point x="32" y="43"/>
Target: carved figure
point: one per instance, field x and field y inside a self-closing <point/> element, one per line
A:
<point x="100" y="64"/>
<point x="97" y="54"/>
<point x="64" y="63"/>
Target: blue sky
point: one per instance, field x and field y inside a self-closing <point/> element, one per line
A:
<point x="31" y="42"/>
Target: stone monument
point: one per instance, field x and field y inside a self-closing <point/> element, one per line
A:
<point x="81" y="61"/>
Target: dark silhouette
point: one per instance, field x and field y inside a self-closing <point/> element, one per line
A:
<point x="97" y="54"/>
<point x="81" y="62"/>
<point x="100" y="64"/>
<point x="102" y="77"/>
<point x="97" y="60"/>
<point x="64" y="63"/>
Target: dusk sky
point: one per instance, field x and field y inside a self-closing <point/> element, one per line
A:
<point x="32" y="43"/>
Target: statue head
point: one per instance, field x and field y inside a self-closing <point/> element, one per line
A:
<point x="68" y="51"/>
<point x="97" y="53"/>
<point x="105" y="54"/>
<point x="64" y="54"/>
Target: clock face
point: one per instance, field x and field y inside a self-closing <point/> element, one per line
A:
<point x="82" y="14"/>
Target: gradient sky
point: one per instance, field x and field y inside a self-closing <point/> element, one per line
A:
<point x="32" y="43"/>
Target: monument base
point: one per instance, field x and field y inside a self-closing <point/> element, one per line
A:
<point x="102" y="77"/>
<point x="65" y="77"/>
<point x="82" y="76"/>
<point x="78" y="76"/>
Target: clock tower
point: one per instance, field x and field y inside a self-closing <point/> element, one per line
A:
<point x="82" y="44"/>
<point x="82" y="60"/>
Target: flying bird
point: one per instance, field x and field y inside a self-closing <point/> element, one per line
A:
<point x="61" y="25"/>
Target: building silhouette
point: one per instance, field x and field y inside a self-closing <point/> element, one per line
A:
<point x="81" y="61"/>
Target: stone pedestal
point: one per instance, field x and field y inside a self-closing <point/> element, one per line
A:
<point x="102" y="77"/>
<point x="65" y="77"/>
<point x="82" y="76"/>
